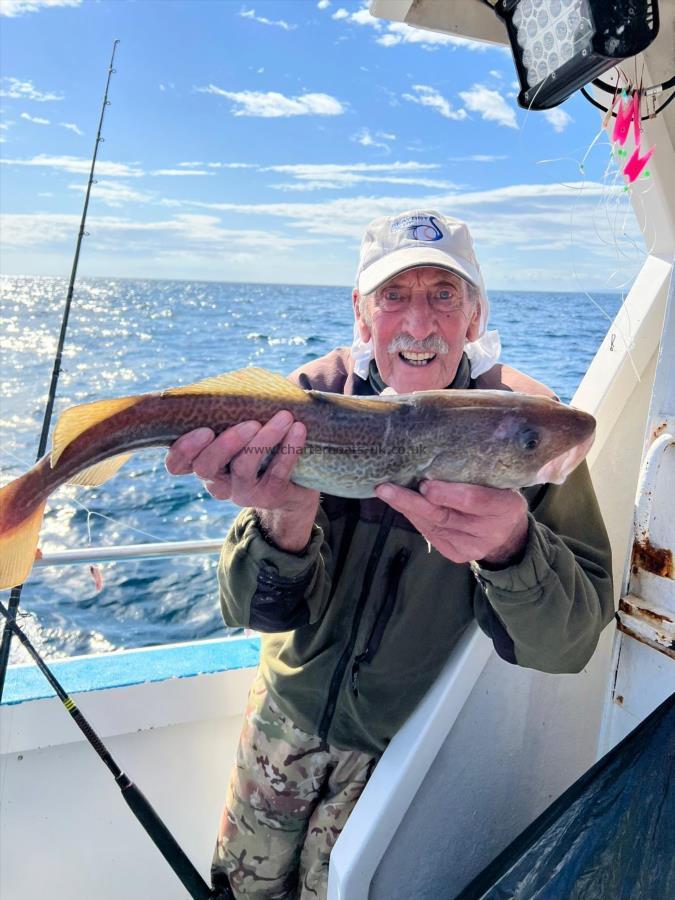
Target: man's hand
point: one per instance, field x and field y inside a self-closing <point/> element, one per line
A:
<point x="229" y="465"/>
<point x="464" y="522"/>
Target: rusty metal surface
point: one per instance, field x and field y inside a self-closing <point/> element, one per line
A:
<point x="648" y="624"/>
<point x="658" y="560"/>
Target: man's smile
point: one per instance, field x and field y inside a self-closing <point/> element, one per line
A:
<point x="415" y="358"/>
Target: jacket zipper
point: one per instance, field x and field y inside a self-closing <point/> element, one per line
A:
<point x="384" y="615"/>
<point x="338" y="674"/>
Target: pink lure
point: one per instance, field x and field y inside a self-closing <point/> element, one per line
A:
<point x="625" y="114"/>
<point x="633" y="168"/>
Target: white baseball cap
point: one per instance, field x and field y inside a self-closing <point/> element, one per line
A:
<point x="419" y="237"/>
<point x="422" y="237"/>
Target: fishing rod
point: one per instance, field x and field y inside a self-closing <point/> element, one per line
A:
<point x="135" y="800"/>
<point x="15" y="596"/>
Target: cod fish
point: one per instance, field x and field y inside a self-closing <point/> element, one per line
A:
<point x="493" y="438"/>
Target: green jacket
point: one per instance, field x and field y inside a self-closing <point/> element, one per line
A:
<point x="358" y="626"/>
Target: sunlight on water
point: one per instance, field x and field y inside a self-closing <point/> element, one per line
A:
<point x="128" y="337"/>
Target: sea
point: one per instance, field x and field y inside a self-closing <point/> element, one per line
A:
<point x="132" y="336"/>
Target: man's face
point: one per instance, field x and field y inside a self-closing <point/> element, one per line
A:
<point x="419" y="321"/>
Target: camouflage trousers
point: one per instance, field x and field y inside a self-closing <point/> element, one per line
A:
<point x="288" y="799"/>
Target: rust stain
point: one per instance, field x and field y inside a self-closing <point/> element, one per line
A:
<point x="658" y="560"/>
<point x="669" y="650"/>
<point x="656" y="618"/>
<point x="659" y="430"/>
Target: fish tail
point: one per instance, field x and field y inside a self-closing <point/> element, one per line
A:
<point x="20" y="521"/>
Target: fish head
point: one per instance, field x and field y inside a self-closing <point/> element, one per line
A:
<point x="541" y="441"/>
<point x="495" y="438"/>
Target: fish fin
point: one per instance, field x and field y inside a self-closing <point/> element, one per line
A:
<point x="18" y="541"/>
<point x="249" y="382"/>
<point x="378" y="404"/>
<point x="100" y="472"/>
<point x="77" y="419"/>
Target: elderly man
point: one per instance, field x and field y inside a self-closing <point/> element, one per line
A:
<point x="361" y="602"/>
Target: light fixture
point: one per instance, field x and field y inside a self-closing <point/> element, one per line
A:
<point x="560" y="45"/>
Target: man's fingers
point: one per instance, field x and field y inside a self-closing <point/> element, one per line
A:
<point x="212" y="461"/>
<point x="410" y="503"/>
<point x="186" y="449"/>
<point x="286" y="458"/>
<point x="430" y="519"/>
<point x="246" y="465"/>
<point x="220" y="488"/>
<point x="471" y="498"/>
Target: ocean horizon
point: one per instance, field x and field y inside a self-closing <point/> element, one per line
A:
<point x="129" y="336"/>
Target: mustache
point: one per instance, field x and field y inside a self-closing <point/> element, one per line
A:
<point x="405" y="342"/>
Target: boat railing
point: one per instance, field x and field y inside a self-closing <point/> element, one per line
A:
<point x="154" y="550"/>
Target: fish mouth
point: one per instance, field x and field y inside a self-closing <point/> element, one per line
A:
<point x="556" y="470"/>
<point x="415" y="358"/>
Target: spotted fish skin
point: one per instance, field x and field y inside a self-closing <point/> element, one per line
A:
<point x="494" y="438"/>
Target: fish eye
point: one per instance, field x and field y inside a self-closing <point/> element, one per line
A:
<point x="529" y="439"/>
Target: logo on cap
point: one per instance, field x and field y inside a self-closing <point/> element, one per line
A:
<point x="418" y="228"/>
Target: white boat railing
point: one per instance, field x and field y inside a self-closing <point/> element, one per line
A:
<point x="154" y="550"/>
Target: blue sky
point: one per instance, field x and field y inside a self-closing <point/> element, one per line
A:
<point x="254" y="141"/>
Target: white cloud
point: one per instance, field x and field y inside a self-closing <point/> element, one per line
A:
<point x="359" y="17"/>
<point x="35" y="229"/>
<point x="274" y="105"/>
<point x="77" y="165"/>
<point x="35" y="119"/>
<point x="527" y="214"/>
<point x="363" y="17"/>
<point x="280" y="23"/>
<point x="476" y="157"/>
<point x="347" y="181"/>
<point x="174" y="172"/>
<point x="231" y="165"/>
<point x="331" y="171"/>
<point x="24" y="90"/>
<point x="71" y="127"/>
<point x="366" y="139"/>
<point x="509" y="224"/>
<point x="400" y="33"/>
<point x="19" y="7"/>
<point x="323" y="4"/>
<point x="191" y="165"/>
<point x="199" y="232"/>
<point x="428" y="96"/>
<point x="490" y="104"/>
<point x="558" y="118"/>
<point x="114" y="193"/>
<point x="329" y="176"/>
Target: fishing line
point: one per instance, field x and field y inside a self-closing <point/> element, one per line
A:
<point x="579" y="189"/>
<point x="90" y="512"/>
<point x="612" y="228"/>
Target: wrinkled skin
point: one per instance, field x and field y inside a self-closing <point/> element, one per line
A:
<point x="463" y="522"/>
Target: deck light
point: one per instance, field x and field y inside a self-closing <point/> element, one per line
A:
<point x="560" y="45"/>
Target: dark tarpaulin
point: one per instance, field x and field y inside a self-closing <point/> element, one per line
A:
<point x="611" y="836"/>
